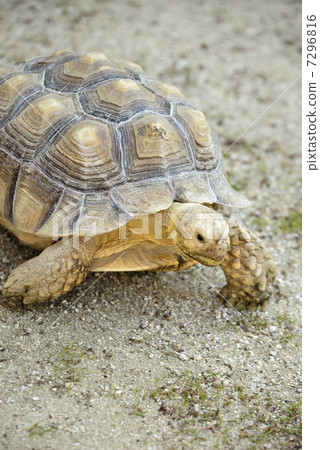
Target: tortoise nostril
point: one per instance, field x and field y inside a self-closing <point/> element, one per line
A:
<point x="200" y="237"/>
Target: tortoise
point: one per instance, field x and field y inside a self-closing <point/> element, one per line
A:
<point x="104" y="168"/>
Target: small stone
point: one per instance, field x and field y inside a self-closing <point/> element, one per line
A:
<point x="183" y="357"/>
<point x="225" y="383"/>
<point x="273" y="328"/>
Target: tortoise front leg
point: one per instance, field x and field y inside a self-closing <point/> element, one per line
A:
<point x="248" y="269"/>
<point x="54" y="272"/>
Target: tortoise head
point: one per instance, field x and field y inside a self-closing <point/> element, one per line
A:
<point x="199" y="232"/>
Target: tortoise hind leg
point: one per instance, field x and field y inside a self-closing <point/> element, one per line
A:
<point x="248" y="268"/>
<point x="54" y="272"/>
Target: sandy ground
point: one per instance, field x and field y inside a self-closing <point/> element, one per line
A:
<point x="153" y="360"/>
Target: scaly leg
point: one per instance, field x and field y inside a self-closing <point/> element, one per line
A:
<point x="248" y="269"/>
<point x="54" y="272"/>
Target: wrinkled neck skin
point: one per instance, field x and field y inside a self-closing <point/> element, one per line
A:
<point x="198" y="232"/>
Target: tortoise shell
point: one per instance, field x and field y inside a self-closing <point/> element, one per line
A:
<point x="87" y="144"/>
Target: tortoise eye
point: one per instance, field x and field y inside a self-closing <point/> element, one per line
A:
<point x="200" y="237"/>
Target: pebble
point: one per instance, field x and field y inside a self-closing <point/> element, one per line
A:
<point x="273" y="328"/>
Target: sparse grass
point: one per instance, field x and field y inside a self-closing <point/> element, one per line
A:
<point x="232" y="141"/>
<point x="188" y="401"/>
<point x="249" y="321"/>
<point x="38" y="430"/>
<point x="261" y="222"/>
<point x="237" y="182"/>
<point x="287" y="324"/>
<point x="200" y="404"/>
<point x="286" y="427"/>
<point x="285" y="319"/>
<point x="291" y="223"/>
<point x="137" y="411"/>
<point x="68" y="362"/>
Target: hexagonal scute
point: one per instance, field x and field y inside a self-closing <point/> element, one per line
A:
<point x="118" y="100"/>
<point x="143" y="197"/>
<point x="9" y="170"/>
<point x="205" y="146"/>
<point x="34" y="200"/>
<point x="14" y="91"/>
<point x="166" y="90"/>
<point x="79" y="73"/>
<point x="153" y="146"/>
<point x="84" y="158"/>
<point x="58" y="57"/>
<point x="27" y="131"/>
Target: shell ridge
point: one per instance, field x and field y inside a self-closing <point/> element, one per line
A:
<point x="10" y="154"/>
<point x="120" y="152"/>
